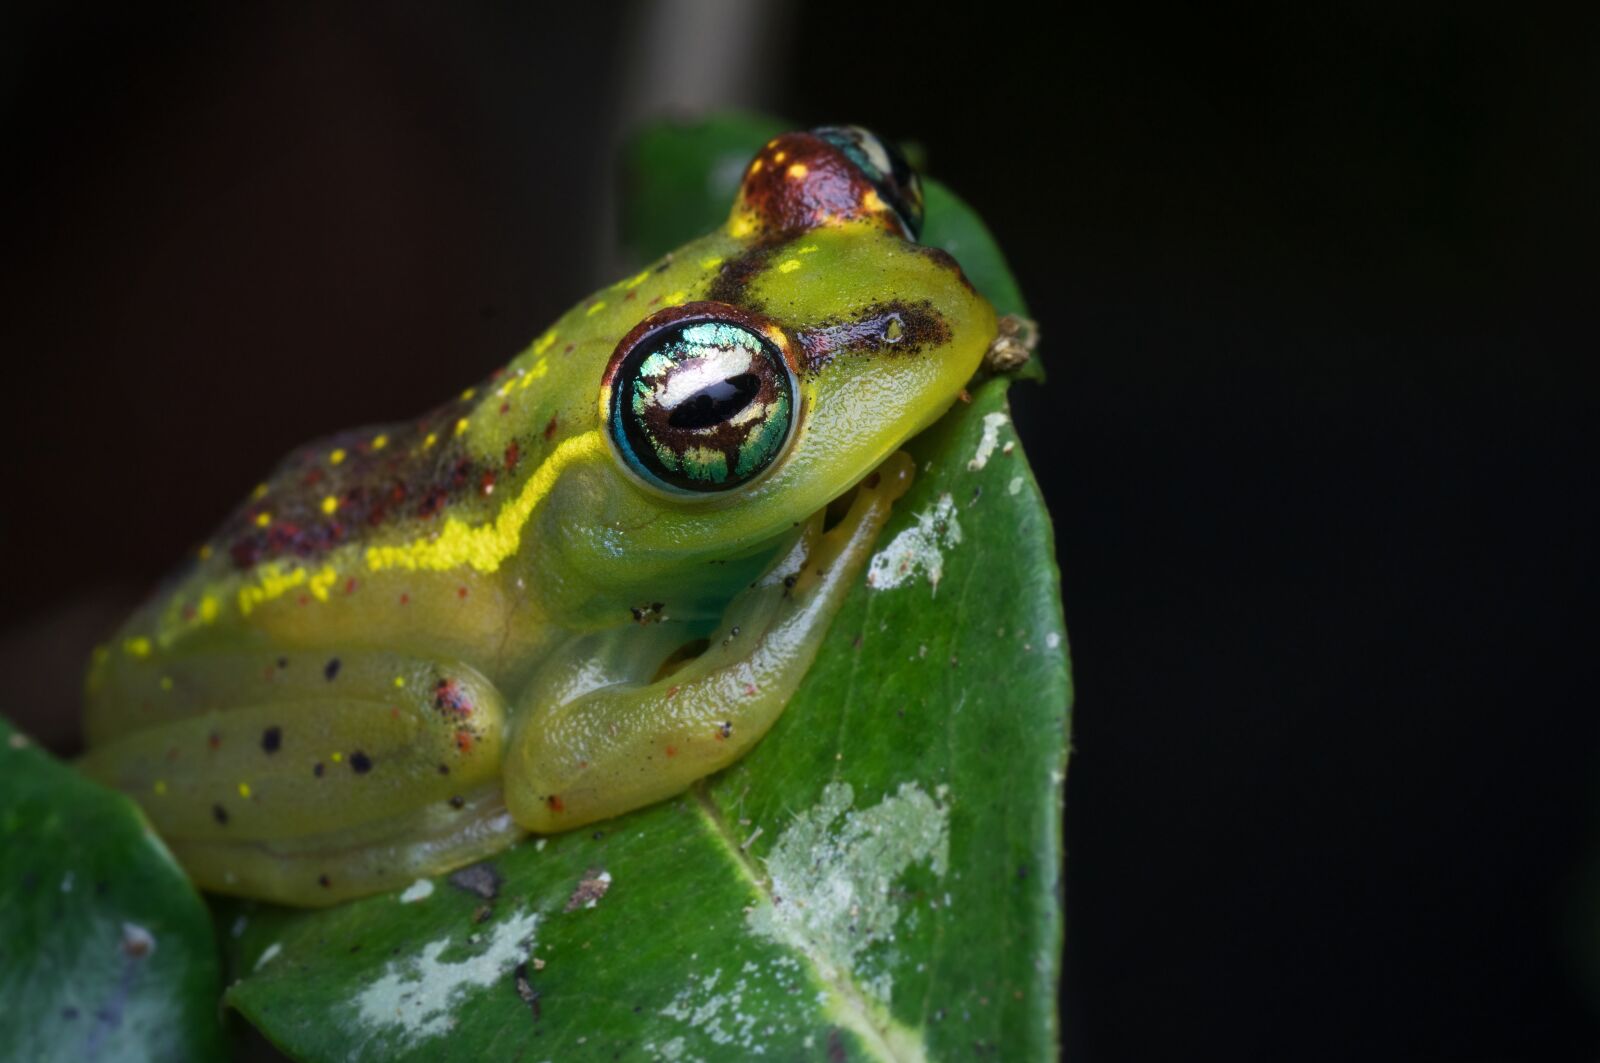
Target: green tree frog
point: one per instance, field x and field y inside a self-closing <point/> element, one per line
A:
<point x="571" y="590"/>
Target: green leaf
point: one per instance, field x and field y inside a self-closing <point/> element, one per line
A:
<point x="878" y="879"/>
<point x="106" y="951"/>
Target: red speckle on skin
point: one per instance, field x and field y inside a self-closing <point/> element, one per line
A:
<point x="505" y="407"/>
<point x="312" y="478"/>
<point x="550" y="429"/>
<point x="172" y="754"/>
<point x="214" y="740"/>
<point x="672" y="692"/>
<point x="188" y="613"/>
<point x="405" y="599"/>
<point x="269" y="674"/>
<point x="497" y="372"/>
<point x="394" y="713"/>
<point x="464" y="741"/>
<point x="750" y="690"/>
<point x="486" y="482"/>
<point x="461" y="592"/>
<point x="654" y="301"/>
<point x="672" y="751"/>
<point x="448" y="697"/>
<point x="555" y="803"/>
<point x="567" y="349"/>
<point x="305" y="599"/>
<point x="350" y="585"/>
<point x="513" y="452"/>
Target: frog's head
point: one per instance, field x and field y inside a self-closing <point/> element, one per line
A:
<point x="809" y="339"/>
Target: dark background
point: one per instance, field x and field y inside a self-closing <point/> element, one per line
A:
<point x="1318" y="295"/>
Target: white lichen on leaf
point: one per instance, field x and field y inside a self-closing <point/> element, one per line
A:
<point x="415" y="996"/>
<point x="917" y="549"/>
<point x="833" y="872"/>
<point x="988" y="441"/>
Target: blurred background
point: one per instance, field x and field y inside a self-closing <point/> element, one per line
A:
<point x="1316" y="291"/>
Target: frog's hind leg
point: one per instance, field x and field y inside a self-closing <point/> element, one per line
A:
<point x="587" y="745"/>
<point x="309" y="779"/>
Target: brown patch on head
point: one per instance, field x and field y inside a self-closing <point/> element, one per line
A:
<point x="732" y="282"/>
<point x="800" y="181"/>
<point x="898" y="328"/>
<point x="944" y="260"/>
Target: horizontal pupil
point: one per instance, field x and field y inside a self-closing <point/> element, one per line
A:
<point x="715" y="403"/>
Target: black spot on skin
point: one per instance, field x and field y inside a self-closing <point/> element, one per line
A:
<point x="272" y="739"/>
<point x="458" y="801"/>
<point x="444" y="769"/>
<point x="324" y="881"/>
<point x="330" y="671"/>
<point x="481" y="880"/>
<point x="219" y="814"/>
<point x="283" y="662"/>
<point x="360" y="763"/>
<point x="317" y="769"/>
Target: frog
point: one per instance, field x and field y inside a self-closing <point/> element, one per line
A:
<point x="574" y="589"/>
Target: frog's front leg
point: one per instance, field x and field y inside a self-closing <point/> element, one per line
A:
<point x="311" y="777"/>
<point x="589" y="743"/>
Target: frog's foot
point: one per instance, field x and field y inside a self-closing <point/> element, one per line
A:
<point x="1014" y="343"/>
<point x="592" y="742"/>
<point x="320" y="776"/>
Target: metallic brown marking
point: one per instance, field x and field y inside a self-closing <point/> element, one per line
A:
<point x="896" y="328"/>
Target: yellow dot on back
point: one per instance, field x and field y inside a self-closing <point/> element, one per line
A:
<point x="208" y="608"/>
<point x="755" y="167"/>
<point x="433" y="437"/>
<point x="379" y="442"/>
<point x="244" y="789"/>
<point x="598" y="306"/>
<point x="809" y="249"/>
<point x="160" y="787"/>
<point x="675" y="298"/>
<point x="780" y="156"/>
<point x="259" y="492"/>
<point x="337" y="757"/>
<point x="461" y="426"/>
<point x="263" y="519"/>
<point x="330" y="504"/>
<point x="204" y="552"/>
<point x="336" y="457"/>
<point x="710" y="263"/>
<point x="166" y="682"/>
<point x="797" y="171"/>
<point x="632" y="283"/>
<point x="399" y="682"/>
<point x="789" y="265"/>
<point x="467" y="394"/>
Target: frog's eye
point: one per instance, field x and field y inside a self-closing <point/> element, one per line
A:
<point x="700" y="398"/>
<point x="882" y="164"/>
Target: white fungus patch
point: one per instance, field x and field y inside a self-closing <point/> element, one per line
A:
<point x="415" y="996"/>
<point x="918" y="549"/>
<point x="419" y="890"/>
<point x="1015" y="486"/>
<point x="833" y="873"/>
<point x="988" y="441"/>
<point x="1052" y="640"/>
<point x="268" y="954"/>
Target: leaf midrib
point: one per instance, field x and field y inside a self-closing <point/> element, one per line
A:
<point x="857" y="1013"/>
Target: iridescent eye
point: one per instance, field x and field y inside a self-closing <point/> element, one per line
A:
<point x="881" y="163"/>
<point x="699" y="398"/>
